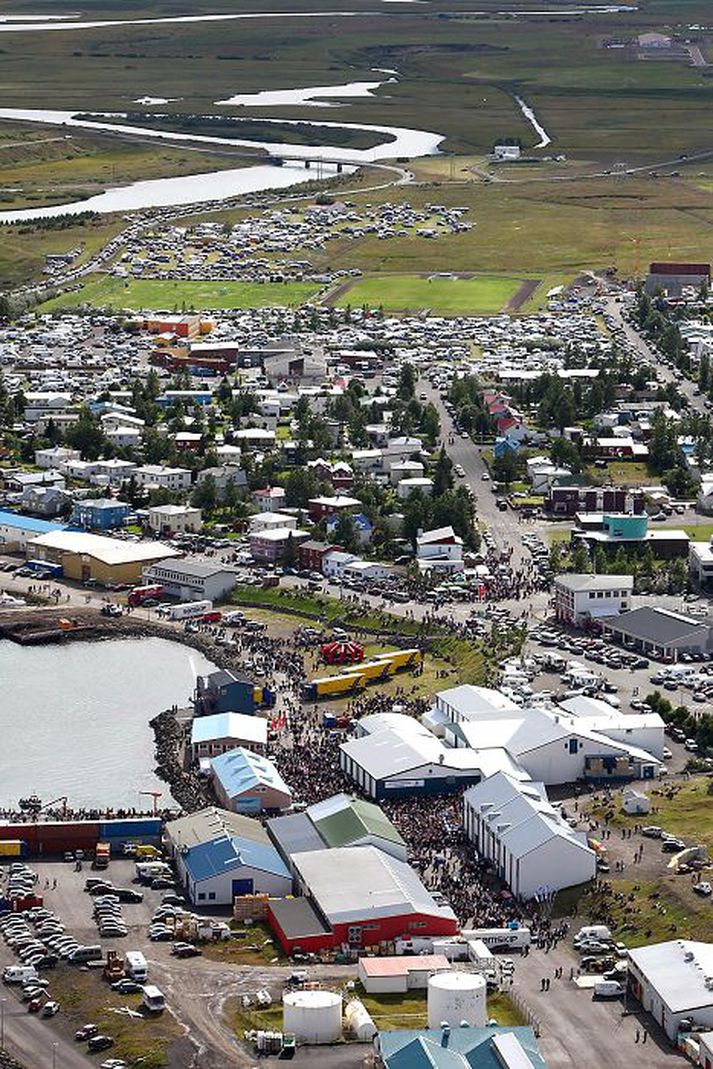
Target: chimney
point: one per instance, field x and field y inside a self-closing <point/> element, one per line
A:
<point x="445" y="1033"/>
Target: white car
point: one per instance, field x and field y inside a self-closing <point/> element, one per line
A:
<point x="485" y="477"/>
<point x="703" y="888"/>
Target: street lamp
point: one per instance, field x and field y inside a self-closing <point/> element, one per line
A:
<point x="2" y="1023"/>
<point x="54" y="1055"/>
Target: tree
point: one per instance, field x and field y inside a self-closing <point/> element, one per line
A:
<point x="86" y="435"/>
<point x="289" y="557"/>
<point x="507" y="468"/>
<point x="205" y="494"/>
<point x="580" y="558"/>
<point x="565" y="452"/>
<point x="407" y="382"/>
<point x="345" y="533"/>
<point x="443" y="474"/>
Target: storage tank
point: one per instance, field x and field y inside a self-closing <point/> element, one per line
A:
<point x="359" y="1021"/>
<point x="455" y="997"/>
<point x="313" y="1016"/>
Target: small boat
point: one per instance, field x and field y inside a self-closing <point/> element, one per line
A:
<point x="32" y="802"/>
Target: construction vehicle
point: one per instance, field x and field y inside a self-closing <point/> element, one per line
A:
<point x="113" y="967"/>
<point x="68" y="625"/>
<point x="102" y="856"/>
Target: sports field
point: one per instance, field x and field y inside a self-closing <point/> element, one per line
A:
<point x="180" y="295"/>
<point x="481" y="295"/>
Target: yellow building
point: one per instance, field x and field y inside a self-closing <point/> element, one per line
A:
<point x="105" y="560"/>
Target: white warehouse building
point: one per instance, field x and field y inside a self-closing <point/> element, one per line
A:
<point x="533" y="849"/>
<point x="673" y="981"/>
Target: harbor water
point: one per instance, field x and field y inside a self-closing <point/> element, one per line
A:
<point x="74" y="719"/>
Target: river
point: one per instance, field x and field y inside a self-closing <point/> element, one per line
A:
<point x="75" y="718"/>
<point x="219" y="185"/>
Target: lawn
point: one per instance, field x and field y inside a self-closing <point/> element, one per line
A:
<point x="179" y="295"/>
<point x="622" y="473"/>
<point x="84" y="997"/>
<point x="449" y="660"/>
<point x="684" y="809"/>
<point x="388" y="1012"/>
<point x="256" y="947"/>
<point x="481" y="295"/>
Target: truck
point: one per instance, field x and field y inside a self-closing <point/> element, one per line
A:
<point x="102" y="856"/>
<point x="187" y="610"/>
<point x="500" y="938"/>
<point x="140" y="594"/>
<point x="153" y="999"/>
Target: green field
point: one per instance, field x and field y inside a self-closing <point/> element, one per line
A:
<point x="482" y="295"/>
<point x="165" y="294"/>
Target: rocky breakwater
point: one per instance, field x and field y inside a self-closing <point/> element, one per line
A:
<point x="170" y="740"/>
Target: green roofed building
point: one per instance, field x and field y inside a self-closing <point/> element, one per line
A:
<point x="337" y="822"/>
<point x="345" y="821"/>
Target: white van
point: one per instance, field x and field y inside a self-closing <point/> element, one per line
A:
<point x="594" y="931"/>
<point x="608" y="989"/>
<point x="153" y="999"/>
<point x="18" y="974"/>
<point x="136" y="966"/>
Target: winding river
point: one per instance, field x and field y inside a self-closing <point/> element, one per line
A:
<point x="219" y="185"/>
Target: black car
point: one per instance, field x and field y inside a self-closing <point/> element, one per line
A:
<point x="128" y="894"/>
<point x="99" y="1043"/>
<point x="162" y="883"/>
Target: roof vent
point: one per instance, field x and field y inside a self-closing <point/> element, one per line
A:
<point x="688" y="956"/>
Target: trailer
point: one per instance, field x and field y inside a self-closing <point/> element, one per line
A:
<point x="378" y="669"/>
<point x="499" y="938"/>
<point x="187" y="610"/>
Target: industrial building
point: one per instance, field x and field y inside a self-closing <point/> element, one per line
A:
<point x="493" y="1047"/>
<point x="246" y="782"/>
<point x="580" y="599"/>
<point x="406" y="759"/>
<point x="220" y="855"/>
<point x="397" y="975"/>
<point x="336" y="822"/>
<point x="16" y="531"/>
<point x="103" y="560"/>
<point x="672" y="981"/>
<point x="553" y="748"/>
<point x="659" y="633"/>
<point x="357" y="898"/>
<point x="672" y="278"/>
<point x="190" y="580"/>
<point x="532" y="848"/>
<point x="213" y="735"/>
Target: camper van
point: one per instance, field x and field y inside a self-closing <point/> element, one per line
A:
<point x="135" y="966"/>
<point x="18" y="974"/>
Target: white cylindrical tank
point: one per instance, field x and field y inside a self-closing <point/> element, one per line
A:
<point x="455" y="997"/>
<point x="313" y="1016"/>
<point x="359" y="1021"/>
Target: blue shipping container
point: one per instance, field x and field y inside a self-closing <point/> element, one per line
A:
<point x="114" y="828"/>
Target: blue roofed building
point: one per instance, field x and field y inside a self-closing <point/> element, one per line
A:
<point x="363" y="526"/>
<point x="16" y="530"/>
<point x="221" y="855"/>
<point x="246" y="782"/>
<point x="494" y="1047"/>
<point x="100" y="514"/>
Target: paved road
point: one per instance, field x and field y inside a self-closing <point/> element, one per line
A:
<point x="572" y="1023"/>
<point x="465" y="452"/>
<point x="31" y="1039"/>
<point x="639" y="344"/>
